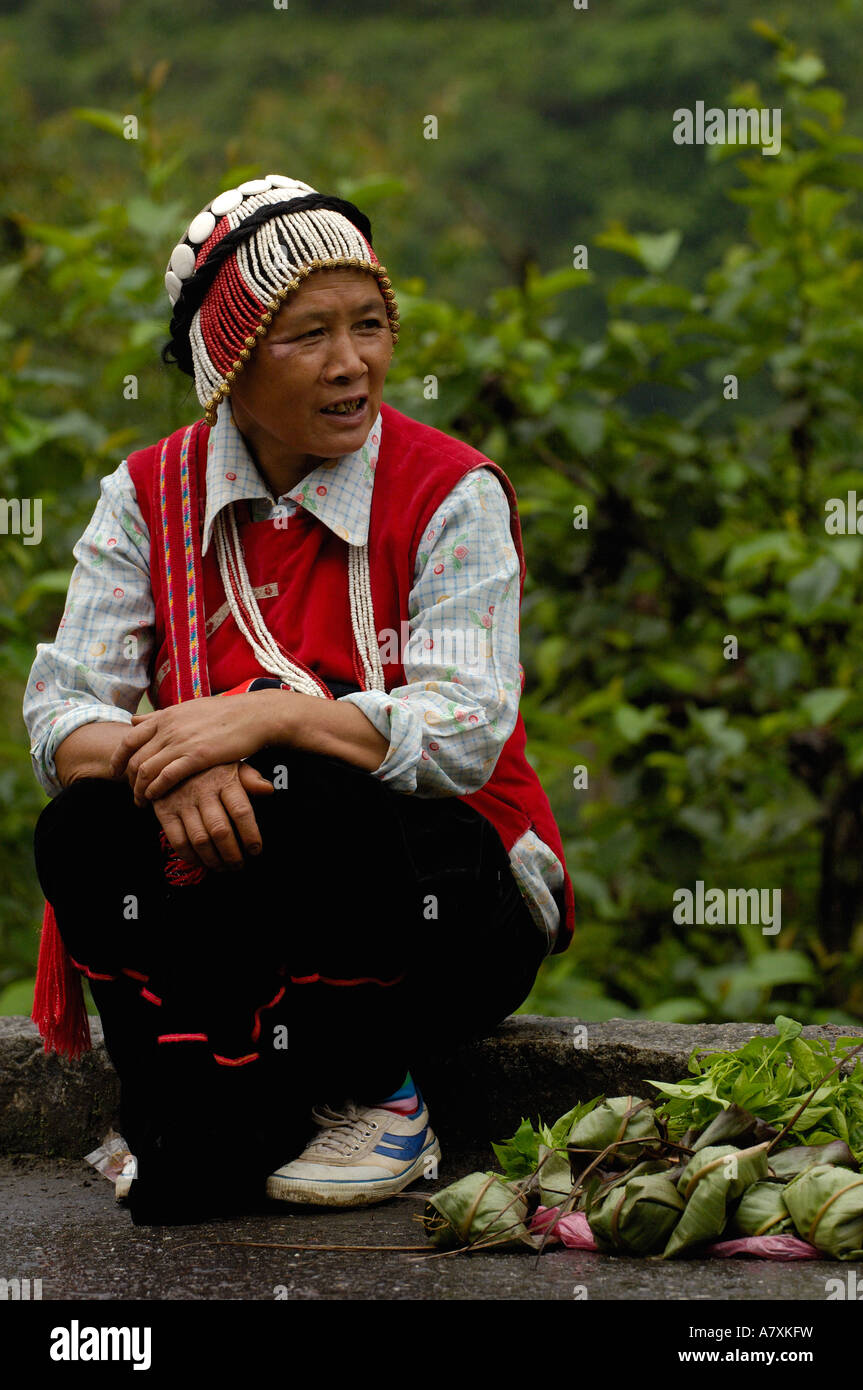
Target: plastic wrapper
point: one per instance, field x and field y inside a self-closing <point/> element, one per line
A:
<point x="113" y="1158"/>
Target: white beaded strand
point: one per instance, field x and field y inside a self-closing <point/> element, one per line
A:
<point x="235" y="579"/>
<point x="363" y="617"/>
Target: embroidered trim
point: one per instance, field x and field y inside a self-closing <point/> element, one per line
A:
<point x="166" y="547"/>
<point x="260" y="591"/>
<point x="236" y="1061"/>
<point x="256" y="1030"/>
<point x="189" y="553"/>
<point x="91" y="974"/>
<point x="328" y="980"/>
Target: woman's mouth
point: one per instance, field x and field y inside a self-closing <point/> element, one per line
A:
<point x="349" y="410"/>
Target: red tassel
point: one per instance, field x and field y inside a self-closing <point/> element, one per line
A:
<point x="178" y="871"/>
<point x="58" y="1000"/>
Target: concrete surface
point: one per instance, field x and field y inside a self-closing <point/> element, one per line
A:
<point x="61" y="1225"/>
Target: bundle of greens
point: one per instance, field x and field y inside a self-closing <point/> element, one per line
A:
<point x="607" y="1124"/>
<point x="826" y="1205"/>
<point x="709" y="1184"/>
<point x="637" y="1216"/>
<point x="761" y="1211"/>
<point x="479" y="1210"/>
<point x="669" y="1179"/>
<point x="771" y="1077"/>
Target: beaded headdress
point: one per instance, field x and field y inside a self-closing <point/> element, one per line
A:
<point x="254" y="280"/>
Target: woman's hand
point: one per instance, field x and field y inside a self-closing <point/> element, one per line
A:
<point x="170" y="745"/>
<point x="209" y="819"/>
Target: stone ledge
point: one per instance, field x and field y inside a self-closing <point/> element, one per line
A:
<point x="530" y="1066"/>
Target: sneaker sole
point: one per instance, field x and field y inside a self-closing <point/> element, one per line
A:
<point x="348" y="1194"/>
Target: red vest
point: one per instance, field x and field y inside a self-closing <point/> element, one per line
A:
<point x="300" y="577"/>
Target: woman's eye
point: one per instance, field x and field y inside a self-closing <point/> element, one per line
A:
<point x="313" y="332"/>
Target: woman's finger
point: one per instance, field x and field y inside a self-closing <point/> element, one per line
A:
<point x="175" y="834"/>
<point x="129" y="745"/>
<point x="239" y="808"/>
<point x="166" y="770"/>
<point x="253" y="781"/>
<point x="199" y="837"/>
<point x="148" y="756"/>
<point x="221" y="832"/>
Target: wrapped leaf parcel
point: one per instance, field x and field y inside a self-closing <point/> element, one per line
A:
<point x="826" y="1204"/>
<point x="762" y="1212"/>
<point x="788" y="1163"/>
<point x="480" y="1208"/>
<point x="637" y="1216"/>
<point x="611" y="1122"/>
<point x="555" y="1176"/>
<point x="710" y="1182"/>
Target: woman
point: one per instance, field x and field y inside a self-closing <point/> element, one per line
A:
<point x="285" y="899"/>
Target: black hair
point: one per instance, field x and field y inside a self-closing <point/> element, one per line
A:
<point x="191" y="297"/>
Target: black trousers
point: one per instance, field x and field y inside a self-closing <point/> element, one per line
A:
<point x="373" y="930"/>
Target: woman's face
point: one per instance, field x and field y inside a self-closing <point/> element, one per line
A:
<point x="330" y="342"/>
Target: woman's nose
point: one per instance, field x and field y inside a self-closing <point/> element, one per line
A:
<point x="344" y="357"/>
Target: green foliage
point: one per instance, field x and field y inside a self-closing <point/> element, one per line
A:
<point x="771" y="1078"/>
<point x="519" y="1155"/>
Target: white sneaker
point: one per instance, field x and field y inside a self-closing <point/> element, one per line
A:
<point x="361" y="1155"/>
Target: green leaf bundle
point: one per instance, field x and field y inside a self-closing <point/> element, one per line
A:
<point x="761" y="1211"/>
<point x="826" y="1204"/>
<point x="478" y="1208"/>
<point x="789" y="1163"/>
<point x="555" y="1176"/>
<point x="709" y="1183"/>
<point x="613" y="1120"/>
<point x="637" y="1216"/>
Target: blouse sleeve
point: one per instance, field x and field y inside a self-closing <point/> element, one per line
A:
<point x="448" y="723"/>
<point x="97" y="666"/>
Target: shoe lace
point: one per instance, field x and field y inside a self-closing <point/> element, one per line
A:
<point x="342" y="1131"/>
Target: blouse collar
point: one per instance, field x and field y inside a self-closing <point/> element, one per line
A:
<point x="338" y="492"/>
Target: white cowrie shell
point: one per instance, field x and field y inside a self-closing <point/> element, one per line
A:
<point x="173" y="284"/>
<point x="183" y="261"/>
<point x="226" y="202"/>
<point x="279" y="181"/>
<point x="201" y="227"/>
